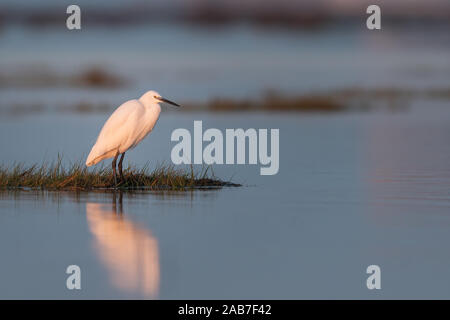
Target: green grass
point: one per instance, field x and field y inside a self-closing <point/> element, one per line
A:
<point x="78" y="178"/>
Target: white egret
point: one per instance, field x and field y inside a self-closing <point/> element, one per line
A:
<point x="126" y="127"/>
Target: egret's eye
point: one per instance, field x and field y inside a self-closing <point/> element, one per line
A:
<point x="156" y="97"/>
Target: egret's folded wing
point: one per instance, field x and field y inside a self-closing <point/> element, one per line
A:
<point x="116" y="131"/>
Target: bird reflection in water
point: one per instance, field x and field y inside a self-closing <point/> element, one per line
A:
<point x="128" y="251"/>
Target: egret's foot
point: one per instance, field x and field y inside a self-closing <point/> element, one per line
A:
<point x="120" y="182"/>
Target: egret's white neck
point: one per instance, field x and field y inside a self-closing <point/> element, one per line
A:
<point x="155" y="107"/>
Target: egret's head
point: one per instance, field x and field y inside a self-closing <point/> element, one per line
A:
<point x="152" y="97"/>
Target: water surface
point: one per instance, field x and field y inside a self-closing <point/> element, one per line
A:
<point x="352" y="190"/>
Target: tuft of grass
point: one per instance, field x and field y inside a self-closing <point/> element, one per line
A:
<point x="79" y="178"/>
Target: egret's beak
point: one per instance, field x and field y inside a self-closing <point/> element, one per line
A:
<point x="168" y="101"/>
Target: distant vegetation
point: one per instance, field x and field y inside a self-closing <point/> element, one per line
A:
<point x="292" y="15"/>
<point x="92" y="77"/>
<point x="79" y="178"/>
<point x="351" y="99"/>
<point x="342" y="100"/>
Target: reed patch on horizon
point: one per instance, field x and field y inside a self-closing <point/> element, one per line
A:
<point x="213" y="153"/>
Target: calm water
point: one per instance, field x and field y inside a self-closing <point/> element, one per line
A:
<point x="194" y="64"/>
<point x="353" y="190"/>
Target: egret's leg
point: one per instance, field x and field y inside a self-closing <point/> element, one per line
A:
<point x="120" y="166"/>
<point x="114" y="169"/>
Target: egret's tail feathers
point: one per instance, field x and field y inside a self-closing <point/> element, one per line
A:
<point x="90" y="161"/>
<point x="95" y="157"/>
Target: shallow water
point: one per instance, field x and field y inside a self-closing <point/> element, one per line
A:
<point x="352" y="190"/>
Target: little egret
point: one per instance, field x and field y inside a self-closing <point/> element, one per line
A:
<point x="126" y="127"/>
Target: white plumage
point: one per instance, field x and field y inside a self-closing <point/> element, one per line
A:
<point x="126" y="127"/>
